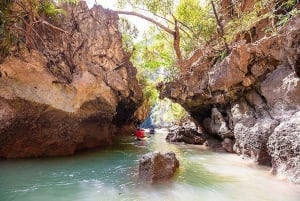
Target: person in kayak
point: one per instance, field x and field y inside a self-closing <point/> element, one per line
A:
<point x="140" y="133"/>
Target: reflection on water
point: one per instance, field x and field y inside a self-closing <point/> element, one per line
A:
<point x="111" y="174"/>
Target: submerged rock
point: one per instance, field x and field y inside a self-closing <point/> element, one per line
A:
<point x="74" y="94"/>
<point x="155" y="167"/>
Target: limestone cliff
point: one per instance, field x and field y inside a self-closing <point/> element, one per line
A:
<point x="252" y="96"/>
<point x="74" y="91"/>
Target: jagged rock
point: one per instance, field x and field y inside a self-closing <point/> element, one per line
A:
<point x="217" y="125"/>
<point x="231" y="71"/>
<point x="155" y="167"/>
<point x="284" y="101"/>
<point x="255" y="90"/>
<point x="72" y="95"/>
<point x="185" y="134"/>
<point x="252" y="134"/>
<point x="284" y="148"/>
<point x="281" y="89"/>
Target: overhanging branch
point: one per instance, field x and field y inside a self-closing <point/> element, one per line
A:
<point x="170" y="31"/>
<point x="175" y="33"/>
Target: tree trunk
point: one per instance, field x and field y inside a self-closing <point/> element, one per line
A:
<point x="220" y="28"/>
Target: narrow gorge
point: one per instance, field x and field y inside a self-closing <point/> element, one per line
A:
<point x="84" y="97"/>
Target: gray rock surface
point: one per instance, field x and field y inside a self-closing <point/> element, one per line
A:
<point x="284" y="148"/>
<point x="187" y="134"/>
<point x="217" y="125"/>
<point x="251" y="97"/>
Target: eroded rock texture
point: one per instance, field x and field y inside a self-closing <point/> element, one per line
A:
<point x="187" y="133"/>
<point x="75" y="92"/>
<point x="155" y="167"/>
<point x="251" y="97"/>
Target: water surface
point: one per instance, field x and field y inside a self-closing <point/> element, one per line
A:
<point x="111" y="174"/>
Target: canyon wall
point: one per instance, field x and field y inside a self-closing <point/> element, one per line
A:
<point x="252" y="96"/>
<point x="75" y="91"/>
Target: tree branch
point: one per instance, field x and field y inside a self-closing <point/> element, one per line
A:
<point x="53" y="27"/>
<point x="145" y="18"/>
<point x="175" y="33"/>
<point x="220" y="27"/>
<point x="176" y="43"/>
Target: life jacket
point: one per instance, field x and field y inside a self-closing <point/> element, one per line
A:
<point x="139" y="134"/>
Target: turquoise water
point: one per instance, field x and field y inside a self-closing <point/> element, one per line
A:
<point x="111" y="174"/>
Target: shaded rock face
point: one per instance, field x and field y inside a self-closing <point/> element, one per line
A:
<point x="75" y="93"/>
<point x="187" y="133"/>
<point x="155" y="167"/>
<point x="195" y="134"/>
<point x="284" y="148"/>
<point x="251" y="97"/>
<point x="227" y="144"/>
<point x="217" y="125"/>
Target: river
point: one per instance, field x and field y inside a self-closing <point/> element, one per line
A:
<point x="111" y="174"/>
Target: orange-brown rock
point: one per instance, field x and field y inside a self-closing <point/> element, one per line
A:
<point x="74" y="91"/>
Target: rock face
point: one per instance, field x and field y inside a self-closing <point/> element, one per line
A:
<point x="155" y="167"/>
<point x="284" y="148"/>
<point x="74" y="93"/>
<point x="186" y="133"/>
<point x="252" y="98"/>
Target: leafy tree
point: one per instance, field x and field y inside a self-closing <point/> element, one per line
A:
<point x="181" y="27"/>
<point x="20" y="20"/>
<point x="200" y="21"/>
<point x="186" y="20"/>
<point x="129" y="33"/>
<point x="167" y="112"/>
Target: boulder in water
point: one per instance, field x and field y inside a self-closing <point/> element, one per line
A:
<point x="186" y="134"/>
<point x="155" y="166"/>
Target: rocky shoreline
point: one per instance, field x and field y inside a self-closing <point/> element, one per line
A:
<point x="252" y="97"/>
<point x="79" y="88"/>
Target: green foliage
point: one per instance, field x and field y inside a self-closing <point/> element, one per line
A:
<point x="154" y="52"/>
<point x="7" y="37"/>
<point x="178" y="112"/>
<point x="289" y="4"/>
<point x="154" y="59"/>
<point x="50" y="9"/>
<point x="196" y="22"/>
<point x="18" y="21"/>
<point x="290" y="10"/>
<point x="158" y="7"/>
<point x="151" y="93"/>
<point x="154" y="56"/>
<point x="223" y="54"/>
<point x="244" y="21"/>
<point x="129" y="33"/>
<point x="199" y="19"/>
<point x="165" y="111"/>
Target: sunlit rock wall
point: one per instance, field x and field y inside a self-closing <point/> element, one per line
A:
<point x="74" y="92"/>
